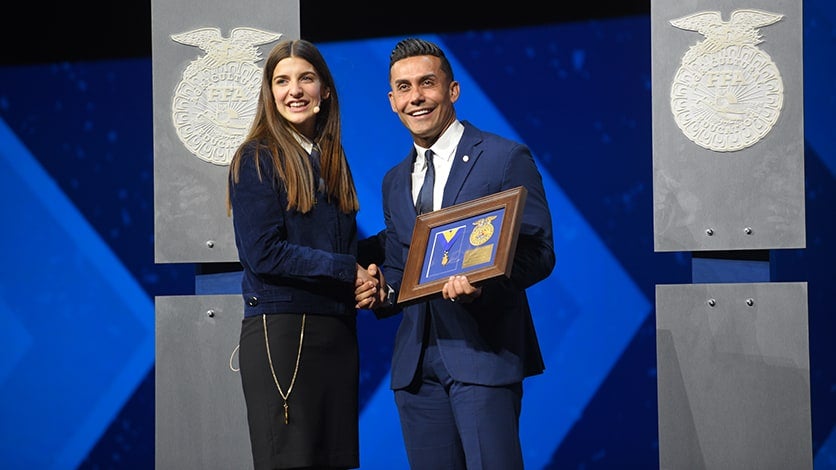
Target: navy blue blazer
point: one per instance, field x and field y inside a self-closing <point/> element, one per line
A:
<point x="293" y="262"/>
<point x="491" y="341"/>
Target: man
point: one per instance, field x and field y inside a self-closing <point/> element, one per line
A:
<point x="459" y="359"/>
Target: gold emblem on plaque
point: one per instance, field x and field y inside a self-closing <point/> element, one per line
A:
<point x="483" y="231"/>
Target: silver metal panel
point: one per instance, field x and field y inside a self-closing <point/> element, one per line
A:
<point x="191" y="224"/>
<point x="733" y="378"/>
<point x="201" y="419"/>
<point x="710" y="101"/>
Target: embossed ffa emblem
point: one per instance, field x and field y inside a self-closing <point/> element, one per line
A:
<point x="483" y="231"/>
<point x="214" y="104"/>
<point x="727" y="94"/>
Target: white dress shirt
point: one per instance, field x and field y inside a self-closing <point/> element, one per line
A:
<point x="444" y="150"/>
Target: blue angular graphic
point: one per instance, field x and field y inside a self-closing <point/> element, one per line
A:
<point x="86" y="331"/>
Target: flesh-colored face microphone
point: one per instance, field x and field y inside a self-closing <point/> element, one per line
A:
<point x="327" y="94"/>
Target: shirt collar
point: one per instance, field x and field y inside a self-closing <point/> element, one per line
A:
<point x="303" y="141"/>
<point x="445" y="146"/>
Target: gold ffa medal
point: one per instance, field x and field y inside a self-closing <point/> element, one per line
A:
<point x="483" y="231"/>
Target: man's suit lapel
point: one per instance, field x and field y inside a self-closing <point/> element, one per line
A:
<point x="406" y="178"/>
<point x="405" y="206"/>
<point x="467" y="152"/>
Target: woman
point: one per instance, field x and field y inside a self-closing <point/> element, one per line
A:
<point x="293" y="212"/>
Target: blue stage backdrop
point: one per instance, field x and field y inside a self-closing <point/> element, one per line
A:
<point x="79" y="279"/>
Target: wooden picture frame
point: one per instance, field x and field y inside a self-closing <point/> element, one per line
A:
<point x="476" y="238"/>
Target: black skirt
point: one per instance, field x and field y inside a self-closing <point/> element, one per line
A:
<point x="322" y="426"/>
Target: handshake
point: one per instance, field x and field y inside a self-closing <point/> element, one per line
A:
<point x="371" y="291"/>
<point x="370" y="288"/>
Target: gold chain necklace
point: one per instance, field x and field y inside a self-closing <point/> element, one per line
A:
<point x="295" y="369"/>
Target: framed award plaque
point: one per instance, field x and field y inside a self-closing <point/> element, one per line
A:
<point x="476" y="238"/>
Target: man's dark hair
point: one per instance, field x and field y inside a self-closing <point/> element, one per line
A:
<point x="413" y="47"/>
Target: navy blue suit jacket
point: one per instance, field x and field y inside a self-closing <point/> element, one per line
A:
<point x="492" y="340"/>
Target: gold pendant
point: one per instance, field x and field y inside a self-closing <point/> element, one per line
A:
<point x="445" y="259"/>
<point x="285" y="413"/>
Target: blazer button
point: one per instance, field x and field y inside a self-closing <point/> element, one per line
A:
<point x="252" y="301"/>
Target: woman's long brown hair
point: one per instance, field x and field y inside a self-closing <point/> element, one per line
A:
<point x="270" y="133"/>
